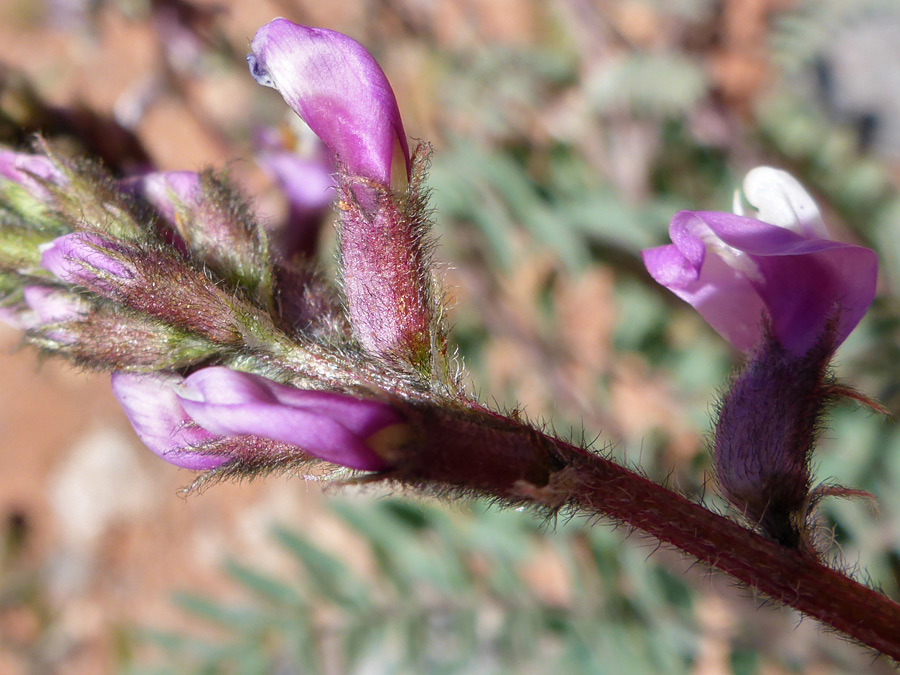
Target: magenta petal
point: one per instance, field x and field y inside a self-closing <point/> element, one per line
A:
<point x="333" y="427"/>
<point x="155" y="412"/>
<point x="338" y="89"/>
<point x="306" y="183"/>
<point x="17" y="317"/>
<point x="669" y="267"/>
<point x="79" y="257"/>
<point x="750" y="270"/>
<point x="804" y="282"/>
<point x="721" y="294"/>
<point x="308" y="187"/>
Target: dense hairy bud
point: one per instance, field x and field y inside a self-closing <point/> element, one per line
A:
<point x="106" y="337"/>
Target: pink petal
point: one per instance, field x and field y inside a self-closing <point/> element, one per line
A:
<point x="333" y="427"/>
<point x="155" y="412"/>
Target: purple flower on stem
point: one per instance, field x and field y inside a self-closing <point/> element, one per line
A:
<point x="166" y="190"/>
<point x="738" y="271"/>
<point x="779" y="289"/>
<point x="340" y="91"/>
<point x="218" y="415"/>
<point x="335" y="427"/>
<point x="155" y="412"/>
<point x="212" y="224"/>
<point x="43" y="305"/>
<point x="52" y="305"/>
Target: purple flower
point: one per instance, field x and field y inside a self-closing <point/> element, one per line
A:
<point x="83" y="259"/>
<point x="335" y="427"/>
<point x="30" y="171"/>
<point x="738" y="271"/>
<point x="155" y="412"/>
<point x="218" y="415"/>
<point x="339" y="90"/>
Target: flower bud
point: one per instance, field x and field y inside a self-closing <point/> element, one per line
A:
<point x="51" y="310"/>
<point x="151" y="281"/>
<point x="26" y="191"/>
<point x="212" y="222"/>
<point x="41" y="305"/>
<point x="32" y="172"/>
<point x="52" y="305"/>
<point x="338" y="428"/>
<point x="165" y="191"/>
<point x="84" y="259"/>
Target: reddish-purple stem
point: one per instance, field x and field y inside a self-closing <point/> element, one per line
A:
<point x="485" y="453"/>
<point x="785" y="574"/>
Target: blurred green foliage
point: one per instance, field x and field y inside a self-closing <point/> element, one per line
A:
<point x="449" y="595"/>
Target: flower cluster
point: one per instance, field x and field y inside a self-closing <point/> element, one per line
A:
<point x="233" y="354"/>
<point x="213" y="415"/>
<point x="204" y="285"/>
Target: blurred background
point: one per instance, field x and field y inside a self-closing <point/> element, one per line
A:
<point x="566" y="134"/>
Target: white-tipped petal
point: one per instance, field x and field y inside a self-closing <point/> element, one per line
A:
<point x="781" y="200"/>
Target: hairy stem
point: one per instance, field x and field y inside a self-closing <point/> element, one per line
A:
<point x="481" y="452"/>
<point x="790" y="576"/>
